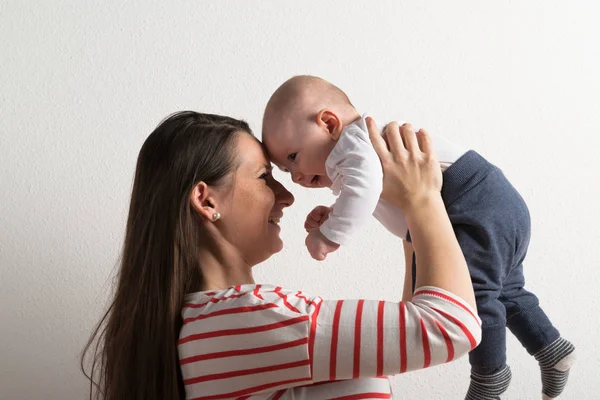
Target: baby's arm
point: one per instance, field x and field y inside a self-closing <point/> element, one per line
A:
<point x="362" y="177"/>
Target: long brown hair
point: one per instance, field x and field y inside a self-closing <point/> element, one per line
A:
<point x="133" y="349"/>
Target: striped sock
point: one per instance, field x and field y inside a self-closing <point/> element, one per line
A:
<point x="555" y="361"/>
<point x="490" y="386"/>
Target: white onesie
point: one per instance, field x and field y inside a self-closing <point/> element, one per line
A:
<point x="355" y="170"/>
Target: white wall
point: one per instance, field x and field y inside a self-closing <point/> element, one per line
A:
<point x="83" y="84"/>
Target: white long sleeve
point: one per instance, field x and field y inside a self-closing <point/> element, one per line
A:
<point x="355" y="170"/>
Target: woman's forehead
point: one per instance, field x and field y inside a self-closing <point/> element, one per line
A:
<point x="250" y="153"/>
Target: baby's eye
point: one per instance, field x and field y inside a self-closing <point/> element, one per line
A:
<point x="292" y="157"/>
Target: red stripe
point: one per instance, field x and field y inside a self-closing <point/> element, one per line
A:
<point x="462" y="326"/>
<point x="448" y="341"/>
<point x="450" y="299"/>
<point x="380" y="338"/>
<point x="233" y="296"/>
<point x="402" y="337"/>
<point x="234" y="353"/>
<point x="242" y="331"/>
<point x="251" y="390"/>
<point x="237" y="310"/>
<point x="279" y="394"/>
<point x="426" y="349"/>
<point x="213" y="300"/>
<point x="285" y="302"/>
<point x="344" y="380"/>
<point x="371" y="395"/>
<point x="334" y="339"/>
<point x="311" y="340"/>
<point x="255" y="292"/>
<point x="357" y="326"/>
<point x="193" y="305"/>
<point x="251" y="371"/>
<point x="298" y="295"/>
<point x="326" y="382"/>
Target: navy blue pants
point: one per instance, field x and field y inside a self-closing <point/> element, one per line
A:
<point x="492" y="225"/>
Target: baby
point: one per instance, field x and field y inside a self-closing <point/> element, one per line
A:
<point x="312" y="130"/>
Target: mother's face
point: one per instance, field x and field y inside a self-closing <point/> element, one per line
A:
<point x="254" y="204"/>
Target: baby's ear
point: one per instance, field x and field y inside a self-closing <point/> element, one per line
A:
<point x="331" y="121"/>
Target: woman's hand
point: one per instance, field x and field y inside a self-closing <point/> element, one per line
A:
<point x="411" y="172"/>
<point x="412" y="179"/>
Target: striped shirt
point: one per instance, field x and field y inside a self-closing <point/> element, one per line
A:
<point x="260" y="342"/>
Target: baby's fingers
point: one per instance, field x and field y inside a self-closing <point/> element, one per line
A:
<point x="310" y="224"/>
<point x="320" y="213"/>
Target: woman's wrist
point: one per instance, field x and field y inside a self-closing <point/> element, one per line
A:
<point x="426" y="217"/>
<point x="442" y="263"/>
<point x="422" y="205"/>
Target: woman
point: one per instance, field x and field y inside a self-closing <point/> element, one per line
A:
<point x="187" y="319"/>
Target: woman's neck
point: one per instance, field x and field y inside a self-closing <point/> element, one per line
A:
<point x="223" y="267"/>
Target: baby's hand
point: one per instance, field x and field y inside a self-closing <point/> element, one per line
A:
<point x="319" y="246"/>
<point x="316" y="218"/>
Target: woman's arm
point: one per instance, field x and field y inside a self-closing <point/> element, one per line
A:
<point x="412" y="180"/>
<point x="360" y="338"/>
<point x="247" y="340"/>
<point x="407" y="291"/>
<point x="365" y="338"/>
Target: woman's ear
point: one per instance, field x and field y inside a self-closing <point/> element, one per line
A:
<point x="203" y="201"/>
<point x="331" y="121"/>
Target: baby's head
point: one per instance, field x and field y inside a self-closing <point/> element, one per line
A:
<point x="303" y="120"/>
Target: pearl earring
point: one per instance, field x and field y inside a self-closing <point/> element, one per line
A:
<point x="216" y="216"/>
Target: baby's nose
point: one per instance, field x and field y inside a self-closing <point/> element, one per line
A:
<point x="297" y="177"/>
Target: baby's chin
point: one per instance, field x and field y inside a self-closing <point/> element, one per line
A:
<point x="318" y="182"/>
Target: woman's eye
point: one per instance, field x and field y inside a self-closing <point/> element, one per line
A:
<point x="265" y="175"/>
<point x="292" y="157"/>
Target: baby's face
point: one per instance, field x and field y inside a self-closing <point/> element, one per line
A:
<point x="302" y="151"/>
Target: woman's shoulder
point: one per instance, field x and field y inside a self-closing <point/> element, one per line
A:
<point x="237" y="291"/>
<point x="260" y="296"/>
<point x="242" y="340"/>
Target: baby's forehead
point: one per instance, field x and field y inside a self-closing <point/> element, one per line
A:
<point x="277" y="136"/>
<point x="272" y="154"/>
<point x="272" y="151"/>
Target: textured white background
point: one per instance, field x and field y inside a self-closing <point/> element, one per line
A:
<point x="83" y="84"/>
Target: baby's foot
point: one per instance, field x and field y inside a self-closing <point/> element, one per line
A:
<point x="489" y="386"/>
<point x="555" y="362"/>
